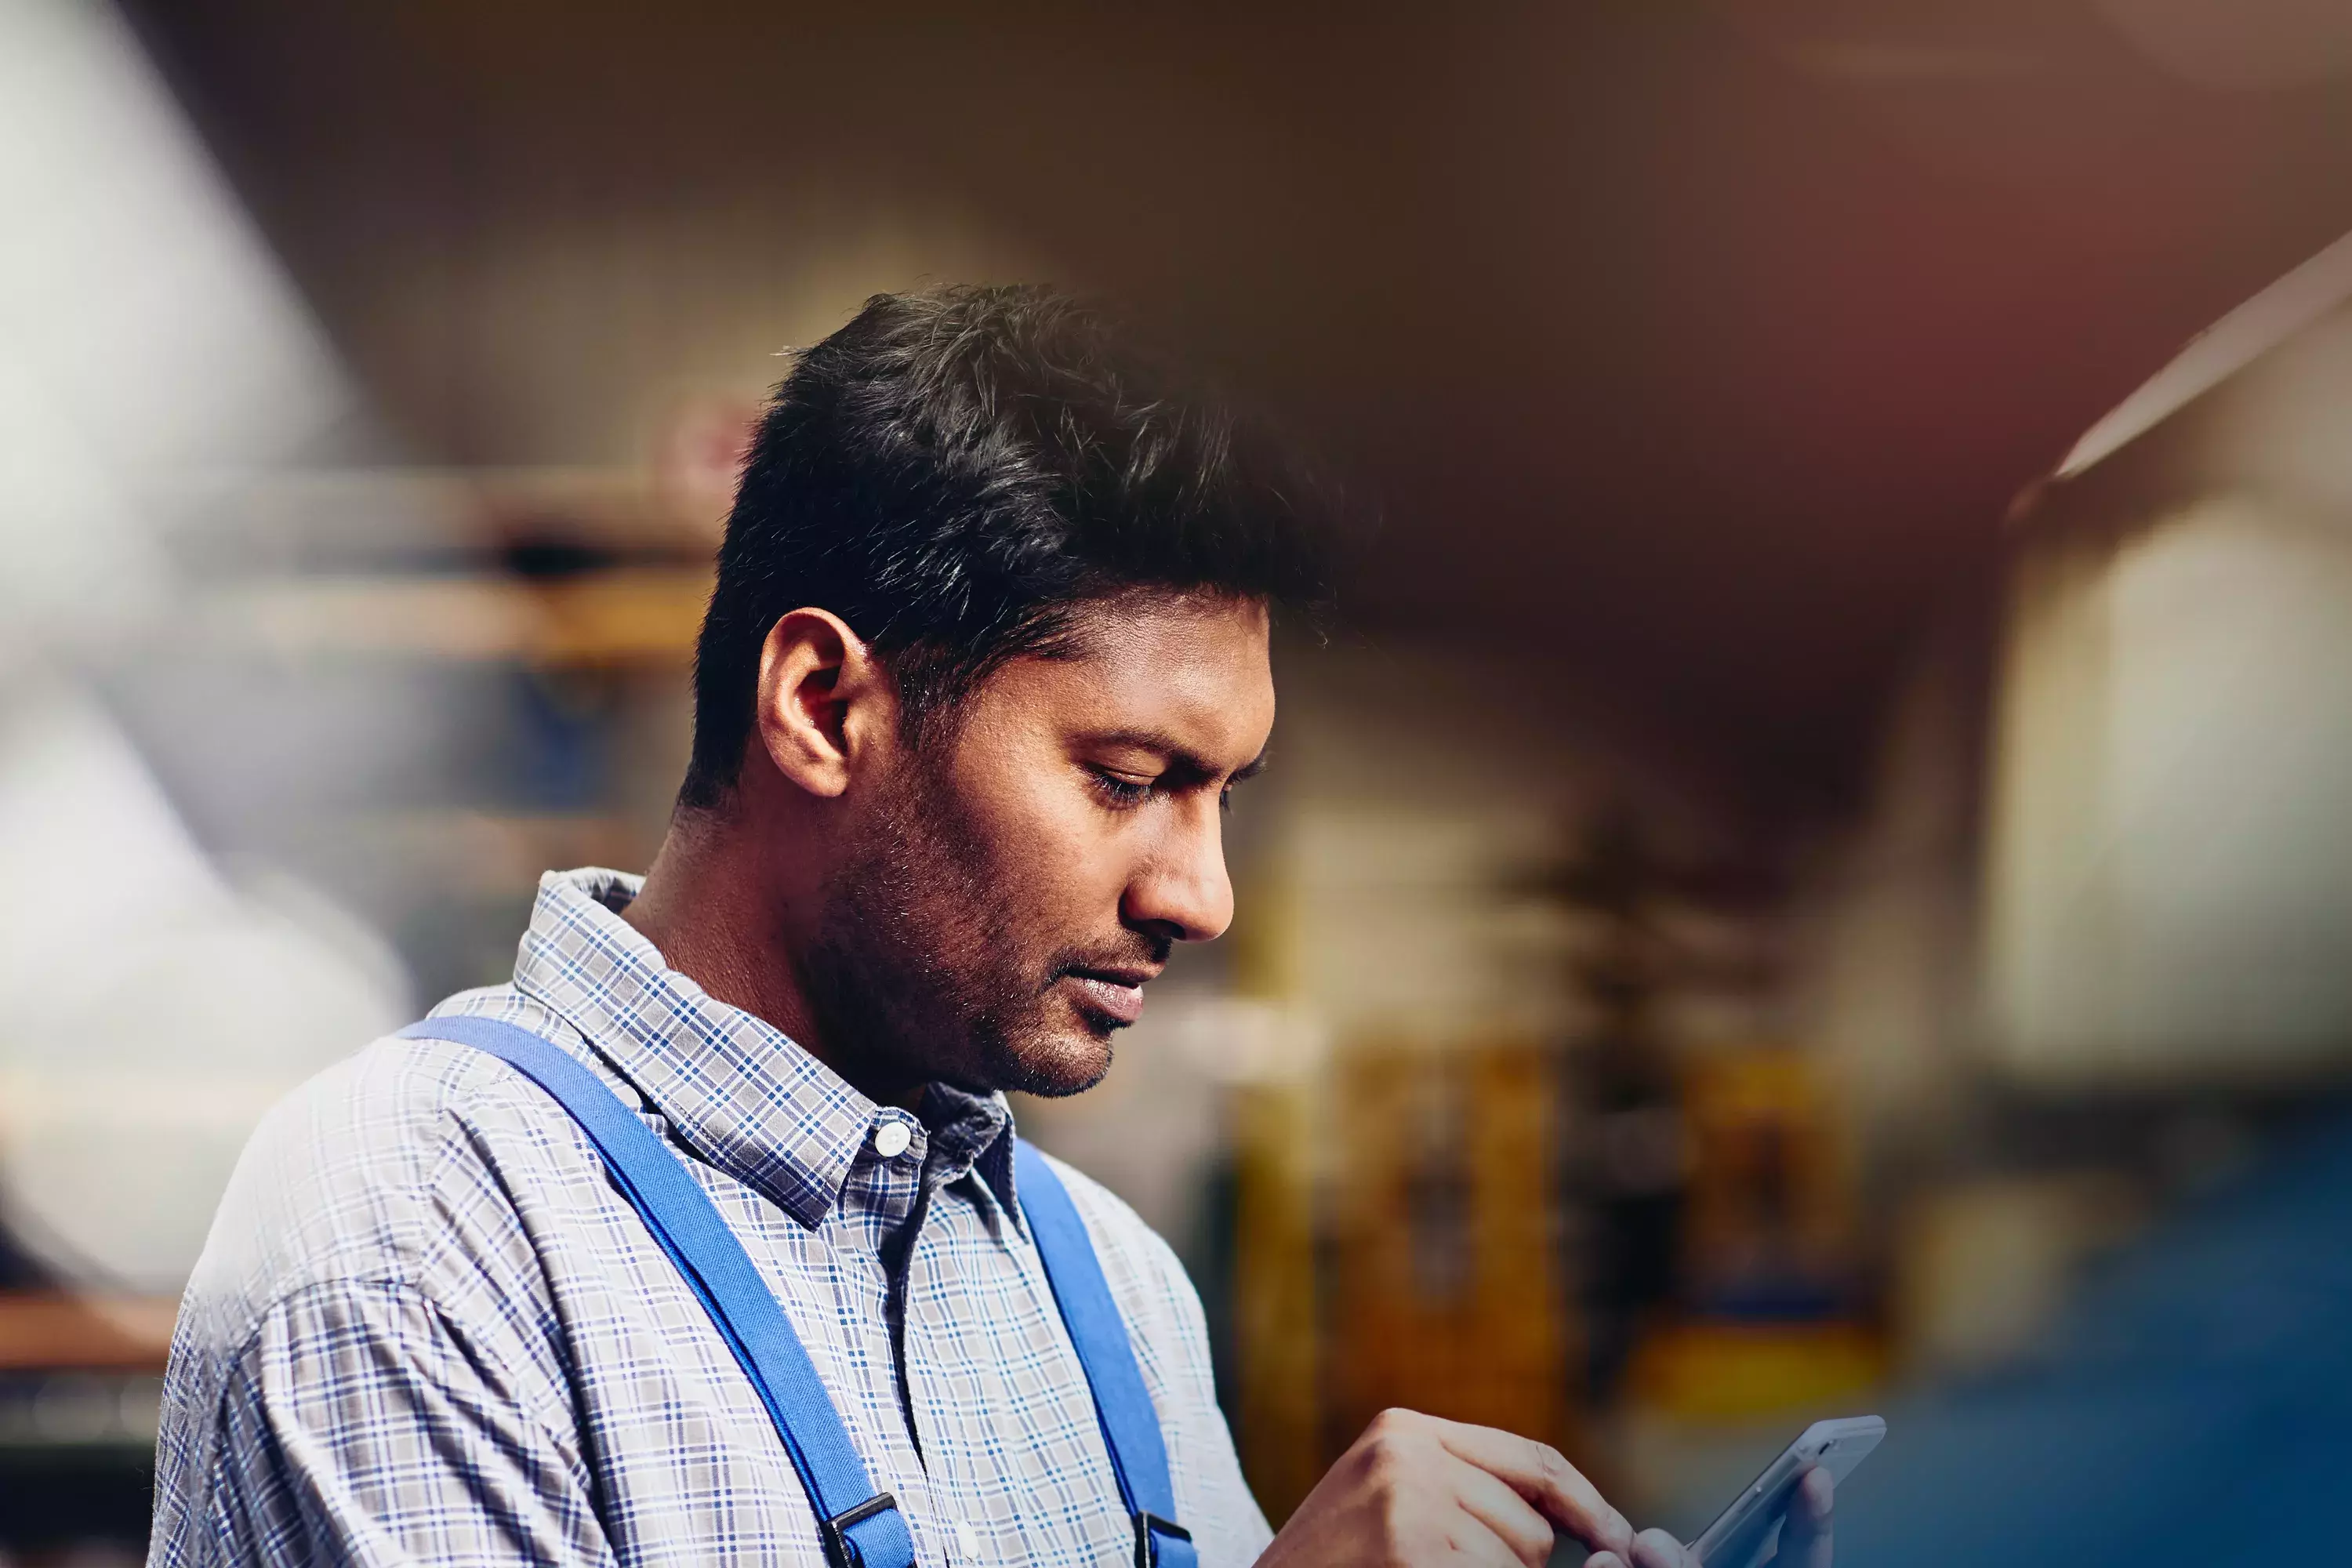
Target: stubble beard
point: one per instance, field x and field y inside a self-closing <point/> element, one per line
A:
<point x="918" y="972"/>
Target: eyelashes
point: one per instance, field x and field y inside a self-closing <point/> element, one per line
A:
<point x="1123" y="793"/>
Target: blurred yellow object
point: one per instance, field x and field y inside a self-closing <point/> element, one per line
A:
<point x="1767" y="1243"/>
<point x="1712" y="1371"/>
<point x="1769" y="1222"/>
<point x="630" y="616"/>
<point x="1447" y="1295"/>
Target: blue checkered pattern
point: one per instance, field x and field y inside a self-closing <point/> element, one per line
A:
<point x="427" y="1329"/>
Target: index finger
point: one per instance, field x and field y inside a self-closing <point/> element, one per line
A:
<point x="1539" y="1474"/>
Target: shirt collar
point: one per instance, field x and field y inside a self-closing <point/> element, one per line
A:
<point x="738" y="1091"/>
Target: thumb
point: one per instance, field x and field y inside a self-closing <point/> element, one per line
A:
<point x="1805" y="1535"/>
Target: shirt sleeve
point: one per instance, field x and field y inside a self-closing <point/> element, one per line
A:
<point x="362" y="1424"/>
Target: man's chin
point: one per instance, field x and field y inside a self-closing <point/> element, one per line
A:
<point x="1057" y="1065"/>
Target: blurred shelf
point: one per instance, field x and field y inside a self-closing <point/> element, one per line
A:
<point x="361" y="514"/>
<point x="621" y="617"/>
<point x="49" y="1332"/>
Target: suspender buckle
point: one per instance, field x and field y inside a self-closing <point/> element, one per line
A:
<point x="1148" y="1529"/>
<point x="839" y="1549"/>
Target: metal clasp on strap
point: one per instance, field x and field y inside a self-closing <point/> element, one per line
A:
<point x="839" y="1550"/>
<point x="1148" y="1529"/>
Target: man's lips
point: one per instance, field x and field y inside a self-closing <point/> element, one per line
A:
<point x="1117" y="993"/>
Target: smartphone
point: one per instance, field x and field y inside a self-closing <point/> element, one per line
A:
<point x="1744" y="1534"/>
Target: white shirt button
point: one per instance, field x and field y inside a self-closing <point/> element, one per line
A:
<point x="890" y="1139"/>
<point x="967" y="1541"/>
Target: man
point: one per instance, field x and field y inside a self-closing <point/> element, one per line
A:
<point x="987" y="653"/>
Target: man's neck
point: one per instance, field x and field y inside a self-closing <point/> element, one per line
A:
<point x="701" y="906"/>
<point x="709" y="908"/>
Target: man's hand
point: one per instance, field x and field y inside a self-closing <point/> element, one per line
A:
<point x="1416" y="1492"/>
<point x="1804" y="1534"/>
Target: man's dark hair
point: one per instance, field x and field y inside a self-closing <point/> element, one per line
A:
<point x="955" y="474"/>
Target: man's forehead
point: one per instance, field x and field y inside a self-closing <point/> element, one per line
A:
<point x="1193" y="667"/>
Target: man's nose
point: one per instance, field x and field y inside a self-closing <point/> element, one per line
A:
<point x="1181" y="890"/>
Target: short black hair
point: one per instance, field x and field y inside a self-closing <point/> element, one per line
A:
<point x="956" y="472"/>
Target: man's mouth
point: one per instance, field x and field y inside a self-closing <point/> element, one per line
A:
<point x="1117" y="993"/>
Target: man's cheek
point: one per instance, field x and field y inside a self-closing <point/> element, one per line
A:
<point x="1050" y="865"/>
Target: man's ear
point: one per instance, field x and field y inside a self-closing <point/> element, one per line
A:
<point x="825" y="703"/>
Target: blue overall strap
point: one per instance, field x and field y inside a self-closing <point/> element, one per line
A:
<point x="1139" y="1455"/>
<point x="862" y="1527"/>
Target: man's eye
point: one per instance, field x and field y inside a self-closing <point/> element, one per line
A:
<point x="1119" y="792"/>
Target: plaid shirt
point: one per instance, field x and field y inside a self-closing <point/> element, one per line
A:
<point x="427" y="1329"/>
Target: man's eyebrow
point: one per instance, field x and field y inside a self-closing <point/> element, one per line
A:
<point x="1180" y="759"/>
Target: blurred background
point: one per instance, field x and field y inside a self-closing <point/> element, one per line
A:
<point x="1814" y="875"/>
